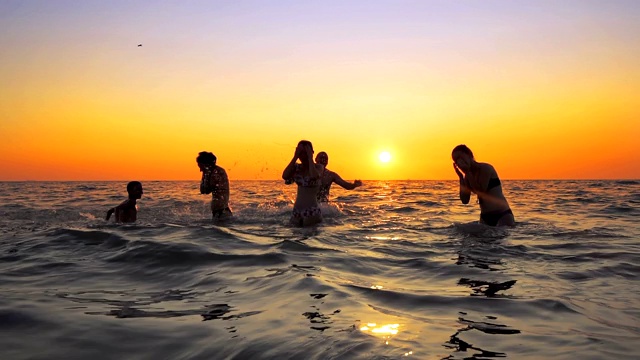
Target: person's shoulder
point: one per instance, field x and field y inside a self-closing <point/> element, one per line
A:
<point x="486" y="167"/>
<point x="126" y="202"/>
<point x="333" y="174"/>
<point x="220" y="169"/>
<point x="488" y="171"/>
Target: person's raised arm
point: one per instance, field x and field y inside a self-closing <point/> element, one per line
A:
<point x="314" y="173"/>
<point x="345" y="184"/>
<point x="465" y="191"/>
<point x="290" y="170"/>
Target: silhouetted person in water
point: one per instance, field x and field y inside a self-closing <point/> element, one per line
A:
<point x="306" y="174"/>
<point x="215" y="182"/>
<point x="328" y="177"/>
<point x="482" y="179"/>
<point x="128" y="211"/>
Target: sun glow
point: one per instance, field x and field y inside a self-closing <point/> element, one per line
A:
<point x="385" y="157"/>
<point x="72" y="109"/>
<point x="385" y="331"/>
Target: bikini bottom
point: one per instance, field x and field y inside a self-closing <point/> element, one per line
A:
<point x="492" y="218"/>
<point x="305" y="213"/>
<point x="298" y="216"/>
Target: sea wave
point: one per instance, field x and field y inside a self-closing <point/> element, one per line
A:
<point x="391" y="262"/>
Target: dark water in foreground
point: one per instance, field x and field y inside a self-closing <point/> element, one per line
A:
<point x="397" y="270"/>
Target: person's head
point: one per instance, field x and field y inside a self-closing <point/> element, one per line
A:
<point x="463" y="157"/>
<point x="206" y="159"/>
<point x="134" y="188"/>
<point x="322" y="158"/>
<point x="304" y="146"/>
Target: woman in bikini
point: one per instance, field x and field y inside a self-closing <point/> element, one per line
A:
<point x="306" y="175"/>
<point x="482" y="179"/>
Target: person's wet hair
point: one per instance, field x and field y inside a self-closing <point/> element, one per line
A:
<point x="207" y="158"/>
<point x="323" y="157"/>
<point x="305" y="142"/>
<point x="463" y="149"/>
<point x="132" y="185"/>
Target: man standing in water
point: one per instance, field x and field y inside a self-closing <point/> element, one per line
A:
<point x="328" y="177"/>
<point x="215" y="182"/>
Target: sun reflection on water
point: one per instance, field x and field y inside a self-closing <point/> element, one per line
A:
<point x="391" y="329"/>
<point x="386" y="331"/>
<point x="382" y="237"/>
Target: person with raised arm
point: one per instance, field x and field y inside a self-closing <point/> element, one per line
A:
<point x="328" y="177"/>
<point x="306" y="174"/>
<point x="481" y="179"/>
<point x="215" y="182"/>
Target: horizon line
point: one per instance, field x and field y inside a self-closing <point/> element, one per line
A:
<point x="230" y="180"/>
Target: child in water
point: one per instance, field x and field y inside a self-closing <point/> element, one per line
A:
<point x="127" y="211"/>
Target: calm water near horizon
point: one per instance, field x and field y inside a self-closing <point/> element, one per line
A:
<point x="398" y="269"/>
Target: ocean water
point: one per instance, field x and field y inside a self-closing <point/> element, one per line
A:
<point x="398" y="269"/>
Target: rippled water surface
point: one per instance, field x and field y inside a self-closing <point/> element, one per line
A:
<point x="397" y="269"/>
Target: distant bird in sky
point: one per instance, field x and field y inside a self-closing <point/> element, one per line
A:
<point x="139" y="45"/>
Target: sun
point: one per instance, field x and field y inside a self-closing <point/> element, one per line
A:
<point x="385" y="157"/>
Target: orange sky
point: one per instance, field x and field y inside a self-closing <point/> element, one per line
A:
<point x="549" y="91"/>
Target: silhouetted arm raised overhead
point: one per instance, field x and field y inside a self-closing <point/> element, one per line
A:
<point x="290" y="170"/>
